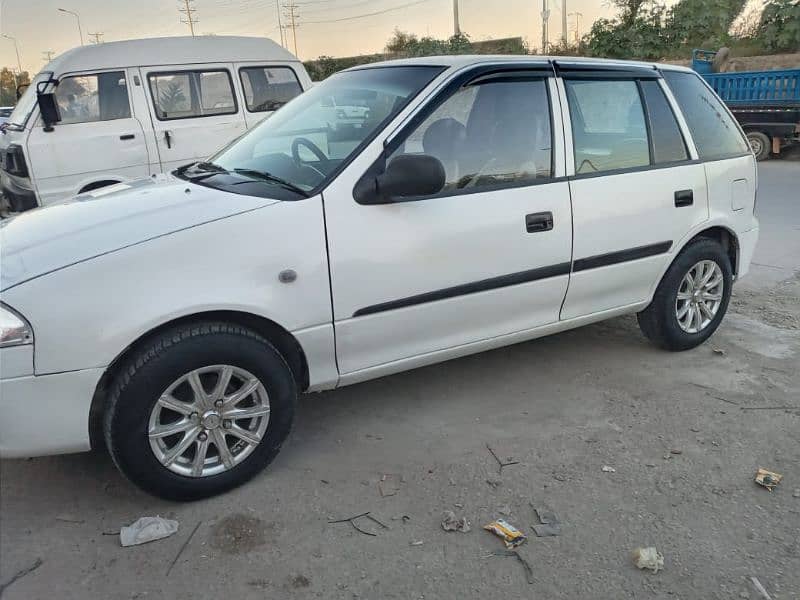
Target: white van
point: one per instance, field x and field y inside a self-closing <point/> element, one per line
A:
<point x="134" y="108"/>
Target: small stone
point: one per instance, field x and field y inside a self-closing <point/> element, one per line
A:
<point x="559" y="477"/>
<point x="694" y="429"/>
<point x="494" y="480"/>
<point x="649" y="464"/>
<point x="416" y="542"/>
<point x="796" y="493"/>
<point x="676" y="451"/>
<point x="607" y="469"/>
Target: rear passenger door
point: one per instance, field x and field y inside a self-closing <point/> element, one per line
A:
<point x="636" y="189"/>
<point x="265" y="88"/>
<point x="195" y="111"/>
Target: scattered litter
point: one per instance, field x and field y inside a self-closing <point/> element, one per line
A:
<point x="560" y="477"/>
<point x="648" y="558"/>
<point x="183" y="547"/>
<point x="506" y="462"/>
<point x="452" y="523"/>
<point x="607" y="469"/>
<point x="325" y="481"/>
<point x="546" y="515"/>
<point x="667" y="456"/>
<point x="676" y="451"/>
<point x="416" y="543"/>
<point x="649" y="464"/>
<point x="550" y="525"/>
<point x="796" y="493"/>
<point x="352" y="520"/>
<point x="375" y="520"/>
<point x="389" y="484"/>
<point x="147" y="529"/>
<point x="512" y="536"/>
<point x="494" y="480"/>
<point x="69" y="519"/>
<point x="760" y="588"/>
<point x="522" y="560"/>
<point x="458" y="505"/>
<point x="768" y="479"/>
<point x="20" y="574"/>
<point x="718" y="351"/>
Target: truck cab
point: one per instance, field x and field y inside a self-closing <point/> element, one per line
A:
<point x="132" y="109"/>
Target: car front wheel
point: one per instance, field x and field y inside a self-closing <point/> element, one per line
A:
<point x="198" y="410"/>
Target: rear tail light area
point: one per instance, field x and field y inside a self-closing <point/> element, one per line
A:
<point x="12" y="161"/>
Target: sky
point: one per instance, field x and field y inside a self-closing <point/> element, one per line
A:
<point x="38" y="26"/>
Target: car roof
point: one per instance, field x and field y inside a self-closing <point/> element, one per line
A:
<point x="169" y="51"/>
<point x="465" y="60"/>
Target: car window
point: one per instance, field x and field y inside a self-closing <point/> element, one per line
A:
<point x="608" y="127"/>
<point x="668" y="144"/>
<point x="179" y="95"/>
<point x="488" y="135"/>
<point x="714" y="131"/>
<point x="97" y="97"/>
<point x="268" y="88"/>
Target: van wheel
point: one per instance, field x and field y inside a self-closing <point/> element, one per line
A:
<point x="199" y="410"/>
<point x="760" y="144"/>
<point x="691" y="299"/>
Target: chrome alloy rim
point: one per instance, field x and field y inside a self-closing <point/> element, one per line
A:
<point x="699" y="296"/>
<point x="209" y="420"/>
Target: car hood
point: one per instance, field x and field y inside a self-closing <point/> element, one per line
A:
<point x="109" y="219"/>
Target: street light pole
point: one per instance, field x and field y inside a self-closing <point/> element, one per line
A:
<point x="78" y="17"/>
<point x="16" y="49"/>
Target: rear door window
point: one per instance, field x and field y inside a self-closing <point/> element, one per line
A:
<point x="184" y="94"/>
<point x="714" y="131"/>
<point x="268" y="88"/>
<point x="95" y="97"/>
<point x="608" y="125"/>
<point x="667" y="140"/>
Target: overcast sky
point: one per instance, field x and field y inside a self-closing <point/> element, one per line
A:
<point x="38" y="26"/>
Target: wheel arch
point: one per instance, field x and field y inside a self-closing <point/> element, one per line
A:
<point x="96" y="185"/>
<point x="277" y="335"/>
<point x="727" y="239"/>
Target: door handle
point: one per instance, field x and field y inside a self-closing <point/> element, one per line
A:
<point x="168" y="138"/>
<point x="127" y="136"/>
<point x="536" y="222"/>
<point x="684" y="198"/>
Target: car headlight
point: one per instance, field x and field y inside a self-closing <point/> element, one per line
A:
<point x="14" y="329"/>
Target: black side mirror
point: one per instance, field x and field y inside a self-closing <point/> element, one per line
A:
<point x="48" y="107"/>
<point x="21" y="89"/>
<point x="407" y="176"/>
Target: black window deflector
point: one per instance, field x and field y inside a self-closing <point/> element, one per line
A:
<point x="512" y="76"/>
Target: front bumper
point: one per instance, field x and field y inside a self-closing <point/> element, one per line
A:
<point x="19" y="198"/>
<point x="46" y="414"/>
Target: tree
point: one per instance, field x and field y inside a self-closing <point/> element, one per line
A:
<point x="638" y="34"/>
<point x="8" y="85"/>
<point x="779" y="29"/>
<point x="701" y="23"/>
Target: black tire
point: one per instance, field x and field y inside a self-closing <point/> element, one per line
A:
<point x="162" y="360"/>
<point x="659" y="321"/>
<point x="760" y="144"/>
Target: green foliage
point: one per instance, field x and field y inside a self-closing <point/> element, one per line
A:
<point x="779" y="28"/>
<point x="8" y="85"/>
<point x="701" y="23"/>
<point x="633" y="35"/>
<point x="404" y="44"/>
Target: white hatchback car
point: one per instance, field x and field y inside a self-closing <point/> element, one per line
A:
<point x="483" y="202"/>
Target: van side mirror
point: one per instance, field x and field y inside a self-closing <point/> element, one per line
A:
<point x="407" y="176"/>
<point x="48" y="108"/>
<point x="21" y="89"/>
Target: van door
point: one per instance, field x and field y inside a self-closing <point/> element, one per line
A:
<point x="97" y="141"/>
<point x="195" y="111"/>
<point x="265" y="88"/>
<point x="636" y="192"/>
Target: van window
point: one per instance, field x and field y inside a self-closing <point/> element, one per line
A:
<point x="97" y="97"/>
<point x="268" y="88"/>
<point x="668" y="144"/>
<point x="608" y="127"/>
<point x="715" y="133"/>
<point x="494" y="134"/>
<point x="185" y="94"/>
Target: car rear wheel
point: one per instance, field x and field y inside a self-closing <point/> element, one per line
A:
<point x="198" y="410"/>
<point x="692" y="298"/>
<point x="760" y="144"/>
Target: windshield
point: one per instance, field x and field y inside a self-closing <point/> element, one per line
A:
<point x="304" y="142"/>
<point x="22" y="111"/>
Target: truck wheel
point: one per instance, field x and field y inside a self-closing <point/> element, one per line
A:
<point x="760" y="143"/>
<point x="691" y="299"/>
<point x="198" y="410"/>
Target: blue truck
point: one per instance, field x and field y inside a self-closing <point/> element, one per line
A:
<point x="766" y="103"/>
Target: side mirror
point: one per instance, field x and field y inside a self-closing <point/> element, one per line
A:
<point x="21" y="89"/>
<point x="48" y="107"/>
<point x="407" y="176"/>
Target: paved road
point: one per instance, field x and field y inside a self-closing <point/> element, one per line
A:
<point x="676" y="427"/>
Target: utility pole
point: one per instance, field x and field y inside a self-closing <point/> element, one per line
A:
<point x="577" y="16"/>
<point x="564" y="23"/>
<point x="291" y="14"/>
<point x="189" y="11"/>
<point x="280" y="24"/>
<point x="545" y="32"/>
<point x="47" y="55"/>
<point x="456" y="25"/>
<point x="96" y="37"/>
<point x="78" y="17"/>
<point x="16" y="48"/>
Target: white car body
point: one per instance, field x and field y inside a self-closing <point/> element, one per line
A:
<point x="94" y="275"/>
<point x="96" y="146"/>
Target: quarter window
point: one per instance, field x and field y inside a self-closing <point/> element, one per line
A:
<point x="608" y="126"/>
<point x="715" y="133"/>
<point x="97" y="97"/>
<point x="179" y="95"/>
<point x="268" y="88"/>
<point x="668" y="145"/>
<point x="492" y="134"/>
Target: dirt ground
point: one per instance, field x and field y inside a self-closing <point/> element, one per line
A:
<point x="684" y="432"/>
